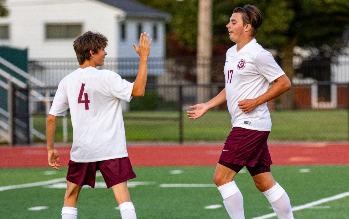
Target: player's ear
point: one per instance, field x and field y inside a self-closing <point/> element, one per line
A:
<point x="92" y="53"/>
<point x="248" y="27"/>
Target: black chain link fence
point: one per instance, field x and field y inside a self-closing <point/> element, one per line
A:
<point x="319" y="109"/>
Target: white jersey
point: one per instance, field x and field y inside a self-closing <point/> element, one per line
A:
<point x="93" y="97"/>
<point x="248" y="73"/>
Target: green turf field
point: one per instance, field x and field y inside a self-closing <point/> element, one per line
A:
<point x="160" y="192"/>
<point x="300" y="125"/>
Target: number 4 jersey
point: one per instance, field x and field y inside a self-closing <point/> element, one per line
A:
<point x="248" y="73"/>
<point x="94" y="98"/>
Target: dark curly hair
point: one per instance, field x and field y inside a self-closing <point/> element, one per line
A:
<point x="86" y="42"/>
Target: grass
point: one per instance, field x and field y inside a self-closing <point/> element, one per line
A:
<point x="316" y="125"/>
<point x="152" y="201"/>
<point x="303" y="125"/>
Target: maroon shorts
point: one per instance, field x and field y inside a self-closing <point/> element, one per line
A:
<point x="114" y="171"/>
<point x="246" y="147"/>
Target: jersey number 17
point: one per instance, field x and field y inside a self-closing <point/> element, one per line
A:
<point x="230" y="75"/>
<point x="86" y="101"/>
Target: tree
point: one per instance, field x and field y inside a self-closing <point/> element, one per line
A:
<point x="286" y="24"/>
<point x="317" y="24"/>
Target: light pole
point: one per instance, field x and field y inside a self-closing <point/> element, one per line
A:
<point x="204" y="50"/>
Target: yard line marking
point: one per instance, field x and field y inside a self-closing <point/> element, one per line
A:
<point x="186" y="185"/>
<point x="50" y="172"/>
<point x="38" y="208"/>
<point x="309" y="205"/>
<point x="98" y="185"/>
<point x="36" y="184"/>
<point x="176" y="171"/>
<point x="32" y="184"/>
<point x="213" y="206"/>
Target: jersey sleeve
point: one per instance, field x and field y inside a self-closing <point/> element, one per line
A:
<point x="267" y="66"/>
<point x="60" y="102"/>
<point x="118" y="87"/>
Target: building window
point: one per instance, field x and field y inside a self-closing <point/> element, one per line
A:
<point x="63" y="31"/>
<point x="4" y="32"/>
<point x="123" y="31"/>
<point x="139" y="30"/>
<point x="155" y="32"/>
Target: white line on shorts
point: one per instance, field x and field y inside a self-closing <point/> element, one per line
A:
<point x="309" y="205"/>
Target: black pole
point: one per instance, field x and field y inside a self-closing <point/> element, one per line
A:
<point x="14" y="116"/>
<point x="348" y="108"/>
<point x="180" y="109"/>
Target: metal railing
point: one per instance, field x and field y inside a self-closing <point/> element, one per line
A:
<point x="7" y="114"/>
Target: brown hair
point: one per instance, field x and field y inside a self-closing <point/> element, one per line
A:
<point x="250" y="15"/>
<point x="86" y="42"/>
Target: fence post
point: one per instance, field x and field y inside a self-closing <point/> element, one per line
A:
<point x="65" y="129"/>
<point x="180" y="109"/>
<point x="10" y="110"/>
<point x="13" y="112"/>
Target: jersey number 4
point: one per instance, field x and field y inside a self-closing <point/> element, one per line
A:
<point x="86" y="101"/>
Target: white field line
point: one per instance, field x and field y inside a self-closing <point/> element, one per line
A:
<point x="186" y="185"/>
<point x="309" y="205"/>
<point x="32" y="184"/>
<point x="36" y="184"/>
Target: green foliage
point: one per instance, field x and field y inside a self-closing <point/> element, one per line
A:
<point x="314" y="23"/>
<point x="318" y="23"/>
<point x="151" y="101"/>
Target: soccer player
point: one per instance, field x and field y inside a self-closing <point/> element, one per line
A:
<point x="248" y="70"/>
<point x="99" y="143"/>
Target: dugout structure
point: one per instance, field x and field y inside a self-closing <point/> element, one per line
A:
<point x="14" y="101"/>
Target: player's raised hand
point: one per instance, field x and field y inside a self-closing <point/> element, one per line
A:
<point x="53" y="159"/>
<point x="144" y="45"/>
<point x="199" y="110"/>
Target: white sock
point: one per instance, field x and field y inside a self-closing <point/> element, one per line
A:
<point x="280" y="202"/>
<point x="127" y="211"/>
<point x="69" y="213"/>
<point x="232" y="200"/>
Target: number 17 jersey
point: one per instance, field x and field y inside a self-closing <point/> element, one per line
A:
<point x="94" y="98"/>
<point x="248" y="73"/>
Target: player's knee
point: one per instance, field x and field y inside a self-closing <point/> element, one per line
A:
<point x="71" y="196"/>
<point x="262" y="185"/>
<point x="259" y="185"/>
<point x="219" y="179"/>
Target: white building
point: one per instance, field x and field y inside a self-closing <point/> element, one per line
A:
<point x="47" y="28"/>
<point x="310" y="93"/>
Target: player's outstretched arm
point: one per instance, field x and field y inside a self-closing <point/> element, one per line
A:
<point x="202" y="108"/>
<point x="143" y="51"/>
<point x="53" y="156"/>
<point x="199" y="110"/>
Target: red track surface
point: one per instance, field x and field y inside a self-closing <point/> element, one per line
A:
<point x="187" y="155"/>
